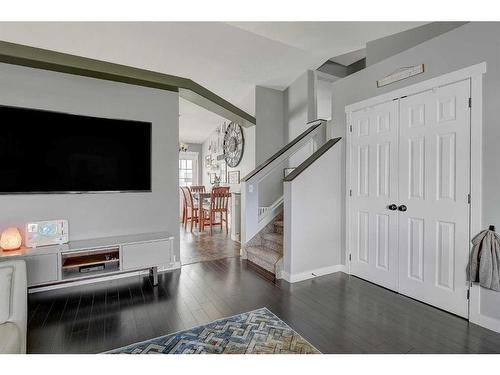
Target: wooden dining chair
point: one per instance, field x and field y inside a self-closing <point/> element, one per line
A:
<point x="192" y="209"/>
<point x="184" y="205"/>
<point x="224" y="189"/>
<point x="197" y="189"/>
<point x="219" y="202"/>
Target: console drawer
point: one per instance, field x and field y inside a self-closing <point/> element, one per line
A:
<point x="144" y="255"/>
<point x="41" y="269"/>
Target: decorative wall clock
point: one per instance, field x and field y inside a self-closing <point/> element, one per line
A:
<point x="233" y="144"/>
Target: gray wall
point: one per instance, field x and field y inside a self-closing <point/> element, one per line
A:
<point x="383" y="48"/>
<point x="312" y="201"/>
<point x="270" y="127"/>
<point x="269" y="138"/>
<point x="282" y="116"/>
<point x="300" y="108"/>
<point x="323" y="95"/>
<point x="100" y="215"/>
<point x="197" y="147"/>
<point x="467" y="45"/>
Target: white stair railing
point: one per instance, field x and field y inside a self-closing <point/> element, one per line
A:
<point x="269" y="210"/>
<point x="263" y="210"/>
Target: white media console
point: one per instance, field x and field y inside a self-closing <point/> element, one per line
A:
<point x="91" y="260"/>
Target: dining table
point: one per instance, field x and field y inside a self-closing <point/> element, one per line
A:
<point x="201" y="196"/>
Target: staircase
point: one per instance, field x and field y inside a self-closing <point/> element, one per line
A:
<point x="262" y="200"/>
<point x="266" y="248"/>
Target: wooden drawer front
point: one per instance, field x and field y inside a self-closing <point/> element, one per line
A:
<point x="144" y="255"/>
<point x="41" y="269"/>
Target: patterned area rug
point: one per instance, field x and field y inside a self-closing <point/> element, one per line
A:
<point x="254" y="332"/>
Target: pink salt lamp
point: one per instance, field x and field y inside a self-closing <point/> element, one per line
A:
<point x="11" y="239"/>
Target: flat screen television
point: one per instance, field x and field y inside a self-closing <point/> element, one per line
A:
<point x="53" y="152"/>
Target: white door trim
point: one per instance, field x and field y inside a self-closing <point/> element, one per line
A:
<point x="476" y="224"/>
<point x="475" y="74"/>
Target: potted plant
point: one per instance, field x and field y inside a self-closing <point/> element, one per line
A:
<point x="216" y="180"/>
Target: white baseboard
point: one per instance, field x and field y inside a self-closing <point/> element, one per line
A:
<point x="243" y="253"/>
<point x="173" y="266"/>
<point x="486" y="322"/>
<point x="475" y="314"/>
<point x="294" y="278"/>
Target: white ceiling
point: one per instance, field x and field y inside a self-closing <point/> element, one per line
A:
<point x="229" y="59"/>
<point x="196" y="123"/>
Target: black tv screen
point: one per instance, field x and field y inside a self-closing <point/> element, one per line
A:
<point x="53" y="152"/>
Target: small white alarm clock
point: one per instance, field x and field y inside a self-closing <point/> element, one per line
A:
<point x="43" y="233"/>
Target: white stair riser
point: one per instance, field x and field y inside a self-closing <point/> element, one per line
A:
<point x="260" y="262"/>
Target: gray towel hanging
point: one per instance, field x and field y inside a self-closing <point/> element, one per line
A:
<point x="484" y="264"/>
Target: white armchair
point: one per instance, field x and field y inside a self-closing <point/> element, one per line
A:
<point x="13" y="307"/>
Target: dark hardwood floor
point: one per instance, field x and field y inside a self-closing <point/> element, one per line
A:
<point x="336" y="313"/>
<point x="199" y="246"/>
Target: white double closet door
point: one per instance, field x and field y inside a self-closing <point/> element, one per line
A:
<point x="410" y="184"/>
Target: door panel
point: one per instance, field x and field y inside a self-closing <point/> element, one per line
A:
<point x="416" y="167"/>
<point x="434" y="185"/>
<point x="363" y="239"/>
<point x="383" y="169"/>
<point x="382" y="244"/>
<point x="373" y="227"/>
<point x="415" y="249"/>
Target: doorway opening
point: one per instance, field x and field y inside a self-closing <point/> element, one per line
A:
<point x="202" y="167"/>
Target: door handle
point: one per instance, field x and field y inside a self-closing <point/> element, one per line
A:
<point x="402" y="208"/>
<point x="392" y="207"/>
